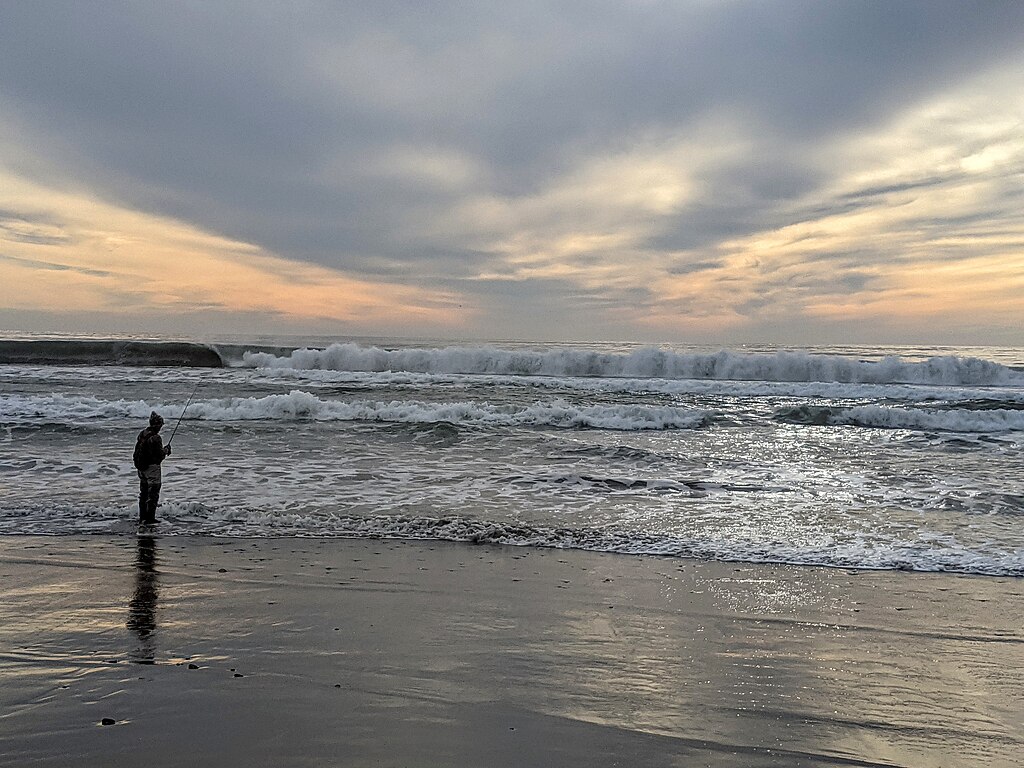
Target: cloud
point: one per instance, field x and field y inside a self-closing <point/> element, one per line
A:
<point x="49" y="265"/>
<point x="141" y="266"/>
<point x="916" y="232"/>
<point x="657" y="169"/>
<point x="31" y="229"/>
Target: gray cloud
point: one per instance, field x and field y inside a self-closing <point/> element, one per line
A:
<point x="54" y="266"/>
<point x="264" y="123"/>
<point x="31" y="228"/>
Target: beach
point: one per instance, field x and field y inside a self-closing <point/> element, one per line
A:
<point x="505" y="385"/>
<point x="305" y="651"/>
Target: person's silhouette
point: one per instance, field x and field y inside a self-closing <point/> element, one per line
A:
<point x="149" y="452"/>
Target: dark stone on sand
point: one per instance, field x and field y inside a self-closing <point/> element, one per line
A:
<point x="238" y="674"/>
<point x="108" y="721"/>
<point x="222" y="570"/>
<point x="193" y="666"/>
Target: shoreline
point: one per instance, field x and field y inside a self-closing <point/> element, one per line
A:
<point x="308" y="651"/>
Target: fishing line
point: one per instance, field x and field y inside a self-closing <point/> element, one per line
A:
<point x="187" y="403"/>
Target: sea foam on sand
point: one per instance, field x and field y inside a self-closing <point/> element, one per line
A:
<point x="167" y="651"/>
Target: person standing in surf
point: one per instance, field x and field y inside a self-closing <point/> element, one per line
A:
<point x="150" y="451"/>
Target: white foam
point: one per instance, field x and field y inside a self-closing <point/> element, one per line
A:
<point x="937" y="554"/>
<point x="643" y="363"/>
<point x="836" y="390"/>
<point x="297" y="405"/>
<point x="887" y="417"/>
<point x="69" y="408"/>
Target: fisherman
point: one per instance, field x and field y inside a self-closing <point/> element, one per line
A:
<point x="149" y="452"/>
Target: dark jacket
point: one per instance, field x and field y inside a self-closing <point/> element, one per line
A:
<point x="149" y="449"/>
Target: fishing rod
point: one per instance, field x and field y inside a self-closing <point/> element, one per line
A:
<point x="187" y="403"/>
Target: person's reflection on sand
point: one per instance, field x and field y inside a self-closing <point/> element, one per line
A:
<point x="142" y="606"/>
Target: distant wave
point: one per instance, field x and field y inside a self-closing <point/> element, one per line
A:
<point x="299" y="405"/>
<point x="643" y="363"/>
<point x="98" y="352"/>
<point x="885" y="417"/>
<point x="981" y="396"/>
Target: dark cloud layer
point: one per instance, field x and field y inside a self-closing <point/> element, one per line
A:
<point x="269" y="122"/>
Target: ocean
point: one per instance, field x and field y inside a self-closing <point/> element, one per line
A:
<point x="852" y="457"/>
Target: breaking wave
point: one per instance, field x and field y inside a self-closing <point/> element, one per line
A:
<point x="885" y="417"/>
<point x="113" y="352"/>
<point x="299" y="405"/>
<point x="643" y="363"/>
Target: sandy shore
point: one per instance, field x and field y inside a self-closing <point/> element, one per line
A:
<point x="305" y="652"/>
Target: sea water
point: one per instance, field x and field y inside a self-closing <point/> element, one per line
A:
<point x="844" y="456"/>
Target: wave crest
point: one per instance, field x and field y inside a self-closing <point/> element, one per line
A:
<point x="886" y="417"/>
<point x="114" y="352"/>
<point x="642" y="363"/>
<point x="300" y="405"/>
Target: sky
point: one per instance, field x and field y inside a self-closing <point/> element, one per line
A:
<point x="711" y="171"/>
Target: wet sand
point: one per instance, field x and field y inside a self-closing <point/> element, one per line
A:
<point x="305" y="652"/>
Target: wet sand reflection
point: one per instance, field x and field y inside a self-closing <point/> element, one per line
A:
<point x="142" y="607"/>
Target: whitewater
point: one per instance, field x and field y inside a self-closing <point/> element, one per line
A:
<point x="849" y="457"/>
